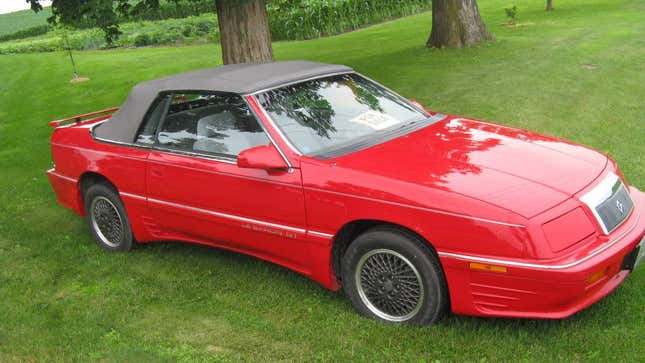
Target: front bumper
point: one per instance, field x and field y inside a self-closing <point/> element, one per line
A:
<point x="555" y="290"/>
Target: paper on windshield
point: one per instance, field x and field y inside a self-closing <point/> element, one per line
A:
<point x="375" y="120"/>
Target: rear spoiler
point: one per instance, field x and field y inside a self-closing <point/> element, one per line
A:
<point x="83" y="117"/>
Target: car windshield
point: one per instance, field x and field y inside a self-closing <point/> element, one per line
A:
<point x="335" y="112"/>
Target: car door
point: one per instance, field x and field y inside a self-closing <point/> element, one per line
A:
<point x="196" y="191"/>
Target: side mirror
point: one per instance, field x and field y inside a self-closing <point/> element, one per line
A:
<point x="261" y="157"/>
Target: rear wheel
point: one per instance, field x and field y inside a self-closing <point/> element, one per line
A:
<point x="106" y="217"/>
<point x="390" y="275"/>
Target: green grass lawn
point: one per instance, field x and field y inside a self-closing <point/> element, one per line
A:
<point x="577" y="73"/>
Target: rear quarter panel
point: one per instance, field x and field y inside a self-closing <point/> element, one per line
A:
<point x="76" y="153"/>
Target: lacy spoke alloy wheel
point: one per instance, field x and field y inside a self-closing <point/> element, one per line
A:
<point x="389" y="285"/>
<point x="106" y="216"/>
<point x="391" y="274"/>
<point x="106" y="221"/>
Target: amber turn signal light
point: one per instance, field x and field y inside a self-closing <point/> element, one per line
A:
<point x="486" y="267"/>
<point x="597" y="276"/>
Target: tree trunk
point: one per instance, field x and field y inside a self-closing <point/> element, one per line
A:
<point x="244" y="31"/>
<point x="456" y="24"/>
<point x="549" y="5"/>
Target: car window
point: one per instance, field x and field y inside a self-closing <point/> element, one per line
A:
<point x="146" y="135"/>
<point x="332" y="112"/>
<point x="208" y="123"/>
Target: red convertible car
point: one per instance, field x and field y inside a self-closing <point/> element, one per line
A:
<point x="319" y="169"/>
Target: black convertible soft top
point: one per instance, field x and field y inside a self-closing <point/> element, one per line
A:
<point x="235" y="78"/>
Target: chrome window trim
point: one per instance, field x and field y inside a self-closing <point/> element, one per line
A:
<point x="592" y="254"/>
<point x="121" y="143"/>
<point x="91" y="129"/>
<point x="231" y="174"/>
<point x="223" y="159"/>
<point x="277" y="129"/>
<point x="266" y="132"/>
<point x="171" y="151"/>
<point x="407" y="101"/>
<point x="156" y="146"/>
<point x="258" y="119"/>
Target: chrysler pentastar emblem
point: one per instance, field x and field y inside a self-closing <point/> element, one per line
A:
<point x="620" y="207"/>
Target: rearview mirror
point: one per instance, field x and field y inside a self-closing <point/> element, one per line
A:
<point x="261" y="157"/>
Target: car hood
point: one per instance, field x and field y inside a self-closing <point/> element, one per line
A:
<point x="518" y="170"/>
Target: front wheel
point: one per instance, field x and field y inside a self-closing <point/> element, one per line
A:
<point x="389" y="275"/>
<point x="107" y="219"/>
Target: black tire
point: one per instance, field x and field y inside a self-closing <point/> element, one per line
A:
<point x="107" y="219"/>
<point x="383" y="267"/>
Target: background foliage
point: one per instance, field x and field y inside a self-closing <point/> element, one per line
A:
<point x="306" y="19"/>
<point x="22" y="20"/>
<point x="200" y="28"/>
<point x="26" y="32"/>
<point x="190" y="22"/>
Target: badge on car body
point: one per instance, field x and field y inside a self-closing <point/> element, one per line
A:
<point x="620" y="207"/>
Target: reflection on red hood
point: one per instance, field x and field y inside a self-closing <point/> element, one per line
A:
<point x="519" y="170"/>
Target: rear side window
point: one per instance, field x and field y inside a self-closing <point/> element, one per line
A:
<point x="146" y="135"/>
<point x="209" y="123"/>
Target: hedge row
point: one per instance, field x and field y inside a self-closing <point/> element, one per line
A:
<point x="137" y="34"/>
<point x="26" y="33"/>
<point x="288" y="19"/>
<point x="307" y="19"/>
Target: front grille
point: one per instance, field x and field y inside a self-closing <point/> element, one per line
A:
<point x="610" y="202"/>
<point x="616" y="208"/>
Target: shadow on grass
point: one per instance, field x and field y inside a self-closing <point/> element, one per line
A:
<point x="238" y="263"/>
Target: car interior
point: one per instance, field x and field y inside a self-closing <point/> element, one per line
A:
<point x="221" y="129"/>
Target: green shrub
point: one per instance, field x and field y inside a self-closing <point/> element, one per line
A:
<point x="26" y="33"/>
<point x="141" y="40"/>
<point x="511" y="14"/>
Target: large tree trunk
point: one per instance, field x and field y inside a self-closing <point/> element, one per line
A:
<point x="244" y="31"/>
<point x="549" y="5"/>
<point x="456" y="24"/>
